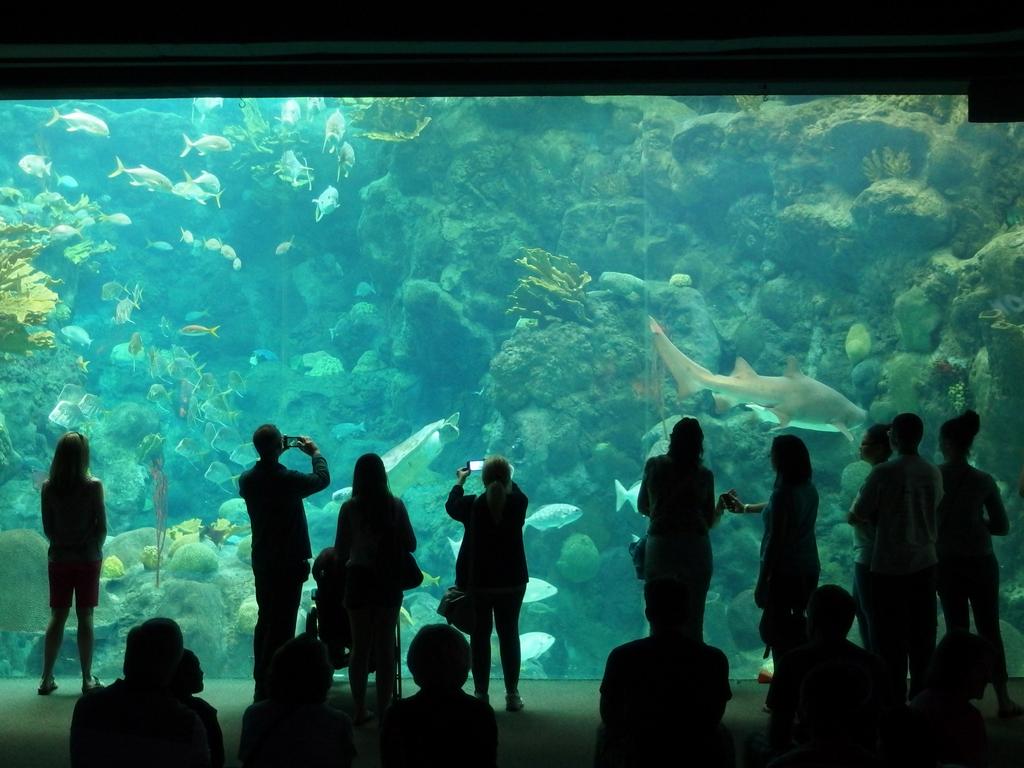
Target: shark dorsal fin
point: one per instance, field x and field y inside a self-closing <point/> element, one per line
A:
<point x="792" y="368"/>
<point x="742" y="369"/>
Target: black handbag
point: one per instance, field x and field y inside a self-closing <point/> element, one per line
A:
<point x="409" y="574"/>
<point x="457" y="608"/>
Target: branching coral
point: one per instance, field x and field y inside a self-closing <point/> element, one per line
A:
<point x="553" y="287"/>
<point x="887" y="164"/>
<point x="25" y="295"/>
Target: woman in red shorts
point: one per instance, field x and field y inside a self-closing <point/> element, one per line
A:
<point x="75" y="523"/>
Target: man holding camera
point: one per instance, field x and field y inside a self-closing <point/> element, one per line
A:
<point x="280" y="539"/>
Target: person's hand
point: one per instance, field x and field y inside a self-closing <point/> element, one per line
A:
<point x="730" y="500"/>
<point x="461" y="474"/>
<point x="307" y="446"/>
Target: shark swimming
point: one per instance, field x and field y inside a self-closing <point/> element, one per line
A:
<point x="790" y="400"/>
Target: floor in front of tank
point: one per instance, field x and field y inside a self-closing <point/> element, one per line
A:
<point x="555" y="729"/>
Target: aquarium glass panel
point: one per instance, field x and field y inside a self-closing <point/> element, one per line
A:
<point x="556" y="280"/>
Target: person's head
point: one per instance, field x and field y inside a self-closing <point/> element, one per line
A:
<point x="832" y="696"/>
<point x="268" y="442"/>
<point x="188" y="677"/>
<point x="791" y="460"/>
<point x="438" y="658"/>
<point x="875" y="446"/>
<point x="686" y="445"/>
<point x="300" y="672"/>
<point x="956" y="436"/>
<point x="369" y="478"/>
<point x="152" y="653"/>
<point x="830" y="612"/>
<point x="496" y="477"/>
<point x="906" y="432"/>
<point x="962" y="664"/>
<point x="70" y="465"/>
<point x="667" y="601"/>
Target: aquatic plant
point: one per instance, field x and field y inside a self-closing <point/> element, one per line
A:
<point x="25" y="296"/>
<point x="887" y="164"/>
<point x="553" y="287"/>
<point x="156" y="471"/>
<point x="391" y="119"/>
<point x="221" y="529"/>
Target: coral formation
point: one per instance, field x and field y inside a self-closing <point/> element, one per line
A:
<point x="25" y="295"/>
<point x="112" y="568"/>
<point x="194" y="557"/>
<point x="220" y="530"/>
<point x="579" y="560"/>
<point x="887" y="164"/>
<point x="150" y="557"/>
<point x="552" y="289"/>
<point x="858" y="343"/>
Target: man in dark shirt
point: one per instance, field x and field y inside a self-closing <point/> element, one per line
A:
<point x="830" y="614"/>
<point x="665" y="694"/>
<point x="280" y="540"/>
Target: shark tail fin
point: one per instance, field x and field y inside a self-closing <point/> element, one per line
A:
<point x="620" y="495"/>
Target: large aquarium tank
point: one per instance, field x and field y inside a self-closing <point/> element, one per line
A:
<point x="438" y="279"/>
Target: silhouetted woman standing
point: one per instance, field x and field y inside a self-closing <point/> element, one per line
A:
<point x="75" y="523"/>
<point x="677" y="493"/>
<point x="970" y="514"/>
<point x="373" y="526"/>
<point x="496" y="560"/>
<point x="789" y="548"/>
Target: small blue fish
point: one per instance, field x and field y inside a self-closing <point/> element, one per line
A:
<point x="68" y="182"/>
<point x="262" y="356"/>
<point x="365" y="289"/>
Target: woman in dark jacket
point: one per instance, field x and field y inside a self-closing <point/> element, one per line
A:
<point x="75" y="523"/>
<point x="373" y="526"/>
<point x="491" y="566"/>
<point x="789" y="549"/>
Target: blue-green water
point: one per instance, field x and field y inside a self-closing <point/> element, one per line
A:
<point x="491" y="262"/>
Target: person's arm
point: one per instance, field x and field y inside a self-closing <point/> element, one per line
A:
<point x="459" y="504"/>
<point x="782" y="508"/>
<point x="46" y="511"/>
<point x="643" y="501"/>
<point x="99" y="512"/>
<point x="865" y="507"/>
<point x="406" y="536"/>
<point x="316" y="480"/>
<point x="998" y="521"/>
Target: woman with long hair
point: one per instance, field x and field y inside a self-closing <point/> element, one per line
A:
<point x="970" y="514"/>
<point x="492" y="567"/>
<point x="790" y="566"/>
<point x="75" y="523"/>
<point x="677" y="493"/>
<point x="373" y="527"/>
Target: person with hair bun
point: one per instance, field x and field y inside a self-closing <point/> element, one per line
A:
<point x="491" y="567"/>
<point x="970" y="514"/>
<point x="75" y="524"/>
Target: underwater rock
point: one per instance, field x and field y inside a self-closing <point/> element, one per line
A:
<point x="127" y="425"/>
<point x="917" y="319"/>
<point x="199" y="610"/>
<point x="369" y="362"/>
<point x="858" y="343"/>
<point x="112" y="568"/>
<point x="866" y="376"/>
<point x="248" y="613"/>
<point x="320" y="363"/>
<point x="125" y="488"/>
<point x="1001" y="262"/>
<point x="23" y="565"/>
<point x="579" y="560"/>
<point x="10" y="461"/>
<point x="784" y="301"/>
<point x="194" y="557"/>
<point x="128" y="546"/>
<point x="180" y="540"/>
<point x="234" y="510"/>
<point x="244" y="550"/>
<point x="813" y="236"/>
<point x="624" y="285"/>
<point x="604" y="234"/>
<point x="900" y="213"/>
<point x="901" y="382"/>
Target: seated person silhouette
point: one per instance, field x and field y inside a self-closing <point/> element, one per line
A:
<point x="831" y="696"/>
<point x="961" y="668"/>
<point x="137" y="719"/>
<point x="295" y="727"/>
<point x="664" y="694"/>
<point x="905" y="739"/>
<point x="830" y="614"/>
<point x="440" y="724"/>
<point x="188" y="680"/>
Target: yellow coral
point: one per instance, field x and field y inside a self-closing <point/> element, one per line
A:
<point x="554" y="287"/>
<point x="25" y="295"/>
<point x="185" y="528"/>
<point x="150" y="557"/>
<point x="112" y="568"/>
<point x="221" y="530"/>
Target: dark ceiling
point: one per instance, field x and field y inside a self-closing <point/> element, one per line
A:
<point x="923" y="52"/>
